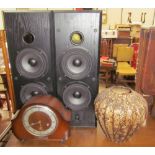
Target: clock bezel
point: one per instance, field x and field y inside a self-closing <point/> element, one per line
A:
<point x="40" y="108"/>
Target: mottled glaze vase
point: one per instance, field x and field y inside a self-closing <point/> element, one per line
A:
<point x="120" y="112"/>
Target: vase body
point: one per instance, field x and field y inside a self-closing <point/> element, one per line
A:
<point x="120" y="112"/>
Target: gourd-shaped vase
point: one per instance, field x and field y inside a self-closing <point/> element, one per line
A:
<point x="120" y="112"/>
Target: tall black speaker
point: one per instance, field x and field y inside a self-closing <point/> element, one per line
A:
<point x="31" y="52"/>
<point x="77" y="37"/>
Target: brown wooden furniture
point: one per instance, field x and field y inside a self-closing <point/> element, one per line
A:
<point x="106" y="47"/>
<point x="107" y="73"/>
<point x="5" y="124"/>
<point x="7" y="68"/>
<point x="4" y="90"/>
<point x="122" y="40"/>
<point x="148" y="75"/>
<point x="145" y="77"/>
<point x="5" y="132"/>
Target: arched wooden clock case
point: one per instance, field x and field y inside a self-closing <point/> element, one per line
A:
<point x="42" y="117"/>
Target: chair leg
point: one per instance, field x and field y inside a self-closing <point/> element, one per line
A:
<point x="107" y="78"/>
<point x="1" y="103"/>
<point x="117" y="76"/>
<point x="7" y="100"/>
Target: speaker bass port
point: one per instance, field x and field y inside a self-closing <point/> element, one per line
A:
<point x="28" y="38"/>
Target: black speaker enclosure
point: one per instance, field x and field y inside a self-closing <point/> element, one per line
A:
<point x="30" y="39"/>
<point x="78" y="63"/>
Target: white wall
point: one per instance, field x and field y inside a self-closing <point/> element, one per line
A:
<point x="1" y="16"/>
<point x="114" y="15"/>
<point x="136" y="16"/>
<point x="14" y="9"/>
<point x="1" y="20"/>
<point x="60" y="9"/>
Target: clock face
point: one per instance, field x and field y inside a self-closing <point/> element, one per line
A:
<point x="39" y="120"/>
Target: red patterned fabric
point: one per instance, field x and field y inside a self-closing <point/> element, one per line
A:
<point x="135" y="55"/>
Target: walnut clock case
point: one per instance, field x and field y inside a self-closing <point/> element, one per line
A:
<point x="42" y="117"/>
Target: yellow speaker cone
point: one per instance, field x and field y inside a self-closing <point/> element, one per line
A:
<point x="76" y="38"/>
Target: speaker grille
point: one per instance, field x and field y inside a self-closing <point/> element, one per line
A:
<point x="76" y="96"/>
<point x="31" y="63"/>
<point x="76" y="63"/>
<point x="32" y="89"/>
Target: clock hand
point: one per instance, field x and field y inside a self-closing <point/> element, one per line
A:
<point x="40" y="125"/>
<point x="38" y="122"/>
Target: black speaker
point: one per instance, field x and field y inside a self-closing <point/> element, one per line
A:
<point x="77" y="38"/>
<point x="30" y="39"/>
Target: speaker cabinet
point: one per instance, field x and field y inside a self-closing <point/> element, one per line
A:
<point x="77" y="37"/>
<point x="31" y="52"/>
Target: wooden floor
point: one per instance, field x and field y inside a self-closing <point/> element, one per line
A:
<point x="5" y="119"/>
<point x="93" y="137"/>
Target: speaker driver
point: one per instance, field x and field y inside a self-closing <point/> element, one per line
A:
<point x="76" y="63"/>
<point x="32" y="89"/>
<point x="31" y="63"/>
<point x="76" y="96"/>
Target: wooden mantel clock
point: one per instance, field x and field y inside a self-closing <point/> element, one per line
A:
<point x="42" y="117"/>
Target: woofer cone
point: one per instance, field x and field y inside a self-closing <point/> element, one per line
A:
<point x="32" y="89"/>
<point x="32" y="63"/>
<point x="76" y="96"/>
<point x="76" y="63"/>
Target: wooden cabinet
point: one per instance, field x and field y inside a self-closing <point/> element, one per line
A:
<point x="138" y="16"/>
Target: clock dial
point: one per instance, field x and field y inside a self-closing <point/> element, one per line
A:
<point x="39" y="120"/>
